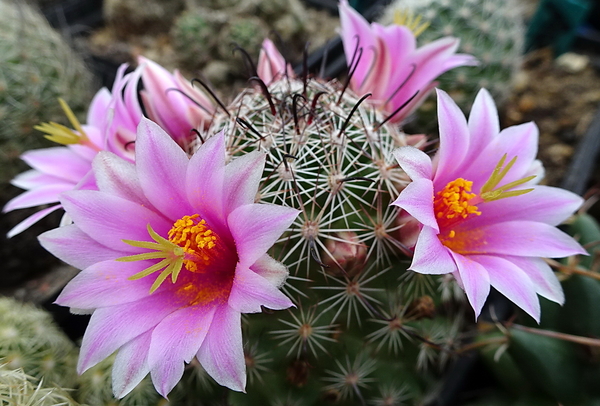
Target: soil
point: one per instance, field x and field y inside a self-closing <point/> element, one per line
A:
<point x="562" y="97"/>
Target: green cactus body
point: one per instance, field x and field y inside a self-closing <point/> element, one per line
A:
<point x="492" y="31"/>
<point x="20" y="389"/>
<point x="351" y="337"/>
<point x="95" y="389"/>
<point x="38" y="67"/>
<point x="30" y="340"/>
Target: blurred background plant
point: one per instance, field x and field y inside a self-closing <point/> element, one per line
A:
<point x="37" y="66"/>
<point x="492" y="31"/>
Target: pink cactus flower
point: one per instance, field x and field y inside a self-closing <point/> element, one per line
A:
<point x="271" y="64"/>
<point x="173" y="103"/>
<point x="111" y="122"/>
<point x="195" y="224"/>
<point x="483" y="217"/>
<point x="385" y="61"/>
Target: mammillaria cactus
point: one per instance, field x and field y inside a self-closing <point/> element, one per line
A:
<point x="492" y="31"/>
<point x="19" y="389"/>
<point x="38" y="66"/>
<point x="29" y="339"/>
<point x="304" y="250"/>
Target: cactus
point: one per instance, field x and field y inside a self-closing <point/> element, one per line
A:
<point x="194" y="36"/>
<point x="351" y="338"/>
<point x="205" y="34"/>
<point x="95" y="389"/>
<point x="38" y="67"/>
<point x="492" y="31"/>
<point x="20" y="389"/>
<point x="30" y="340"/>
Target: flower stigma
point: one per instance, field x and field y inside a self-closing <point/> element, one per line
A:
<point x="456" y="202"/>
<point x="488" y="193"/>
<point x="191" y="244"/>
<point x="409" y="20"/>
<point x="63" y="135"/>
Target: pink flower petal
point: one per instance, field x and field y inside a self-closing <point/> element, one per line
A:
<point x="544" y="280"/>
<point x="512" y="282"/>
<point x="76" y="248"/>
<point x="118" y="177"/>
<point x="31" y="220"/>
<point x="36" y="197"/>
<point x="105" y="284"/>
<point x="250" y="291"/>
<point x="256" y="227"/>
<point x="161" y="166"/>
<point x="271" y="64"/>
<point x="270" y="269"/>
<point x="417" y="200"/>
<point x="110" y="219"/>
<point x="32" y="179"/>
<point x="112" y="327"/>
<point x="131" y="365"/>
<point x="58" y="161"/>
<point x="96" y="115"/>
<point x="519" y="140"/>
<point x="241" y="180"/>
<point x="483" y="123"/>
<point x="356" y="32"/>
<point x="454" y="140"/>
<point x="205" y="181"/>
<point x="475" y="280"/>
<point x="175" y="341"/>
<point x="222" y="353"/>
<point x="544" y="204"/>
<point x="519" y="238"/>
<point x="430" y="256"/>
<point x="414" y="162"/>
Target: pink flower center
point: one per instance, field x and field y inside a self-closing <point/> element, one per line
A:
<point x="455" y="203"/>
<point x="197" y="240"/>
<point x="451" y="206"/>
<point x="194" y="246"/>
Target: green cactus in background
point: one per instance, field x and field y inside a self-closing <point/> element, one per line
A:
<point x="38" y="67"/>
<point x="492" y="31"/>
<point x="95" y="389"/>
<point x="20" y="389"/>
<point x="204" y="35"/>
<point x="361" y="322"/>
<point x="247" y="32"/>
<point x="29" y="339"/>
<point x="195" y="36"/>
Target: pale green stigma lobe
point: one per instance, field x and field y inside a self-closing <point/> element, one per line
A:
<point x="61" y="134"/>
<point x="172" y="258"/>
<point x="489" y="193"/>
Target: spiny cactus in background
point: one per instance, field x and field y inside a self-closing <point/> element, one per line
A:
<point x="19" y="389"/>
<point x="38" y="67"/>
<point x="29" y="339"/>
<point x="492" y="31"/>
<point x="95" y="389"/>
<point x="353" y="336"/>
<point x="205" y="35"/>
<point x="246" y="32"/>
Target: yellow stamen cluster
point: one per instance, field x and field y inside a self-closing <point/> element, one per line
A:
<point x="189" y="245"/>
<point x="488" y="193"/>
<point x="453" y="200"/>
<point x="408" y="19"/>
<point x="61" y="134"/>
<point x="195" y="238"/>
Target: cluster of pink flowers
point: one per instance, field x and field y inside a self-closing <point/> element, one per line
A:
<point x="112" y="122"/>
<point x="173" y="247"/>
